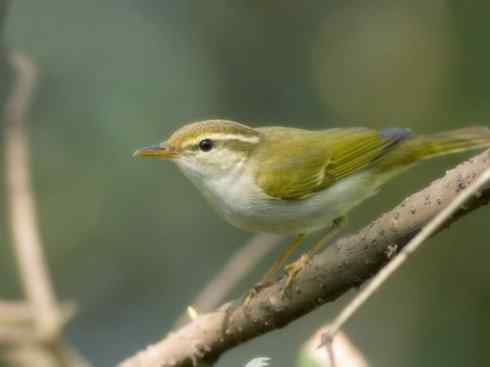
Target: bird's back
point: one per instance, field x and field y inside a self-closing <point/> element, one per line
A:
<point x="293" y="164"/>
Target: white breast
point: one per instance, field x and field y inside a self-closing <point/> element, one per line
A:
<point x="244" y="205"/>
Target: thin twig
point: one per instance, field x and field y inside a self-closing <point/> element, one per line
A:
<point x="14" y="335"/>
<point x="239" y="265"/>
<point x="23" y="216"/>
<point x="29" y="356"/>
<point x="428" y="230"/>
<point x="344" y="265"/>
<point x="14" y="313"/>
<point x="48" y="317"/>
<point x="345" y="352"/>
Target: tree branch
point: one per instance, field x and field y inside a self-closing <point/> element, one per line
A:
<point x="15" y="313"/>
<point x="23" y="218"/>
<point x="425" y="233"/>
<point x="344" y="265"/>
<point x="42" y="338"/>
<point x="345" y="352"/>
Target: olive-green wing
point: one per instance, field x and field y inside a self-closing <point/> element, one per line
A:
<point x="313" y="161"/>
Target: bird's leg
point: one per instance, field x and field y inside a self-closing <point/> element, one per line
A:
<point x="276" y="266"/>
<point x="282" y="258"/>
<point x="296" y="267"/>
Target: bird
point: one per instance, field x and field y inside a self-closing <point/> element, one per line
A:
<point x="298" y="182"/>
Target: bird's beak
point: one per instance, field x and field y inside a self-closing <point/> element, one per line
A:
<point x="158" y="151"/>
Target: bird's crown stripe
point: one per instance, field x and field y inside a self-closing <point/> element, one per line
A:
<point x="222" y="136"/>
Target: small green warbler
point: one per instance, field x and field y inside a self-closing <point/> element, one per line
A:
<point x="295" y="181"/>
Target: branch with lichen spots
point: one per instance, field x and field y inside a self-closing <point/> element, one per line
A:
<point x="345" y="264"/>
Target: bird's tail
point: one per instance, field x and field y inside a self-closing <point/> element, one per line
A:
<point x="421" y="147"/>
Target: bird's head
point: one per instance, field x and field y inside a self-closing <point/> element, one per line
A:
<point x="207" y="149"/>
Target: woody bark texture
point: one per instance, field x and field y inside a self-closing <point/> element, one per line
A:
<point x="345" y="264"/>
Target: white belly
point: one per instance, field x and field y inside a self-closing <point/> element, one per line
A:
<point x="242" y="204"/>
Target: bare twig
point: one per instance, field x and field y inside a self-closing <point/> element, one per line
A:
<point x="347" y="263"/>
<point x="345" y="352"/>
<point x="15" y="313"/>
<point x="42" y="342"/>
<point x="347" y="312"/>
<point x="23" y="217"/>
<point x="35" y="355"/>
<point x="14" y="335"/>
<point x="240" y="264"/>
<point x="30" y="355"/>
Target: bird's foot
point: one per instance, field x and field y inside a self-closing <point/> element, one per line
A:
<point x="293" y="270"/>
<point x="255" y="290"/>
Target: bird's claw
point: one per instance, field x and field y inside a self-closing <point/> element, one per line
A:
<point x="293" y="270"/>
<point x="254" y="291"/>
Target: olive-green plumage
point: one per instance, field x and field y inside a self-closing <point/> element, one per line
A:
<point x="287" y="180"/>
<point x="295" y="181"/>
<point x="433" y="145"/>
<point x="330" y="155"/>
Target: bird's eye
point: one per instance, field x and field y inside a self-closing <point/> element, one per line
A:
<point x="206" y="145"/>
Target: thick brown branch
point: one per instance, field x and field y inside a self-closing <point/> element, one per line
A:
<point x="344" y="265"/>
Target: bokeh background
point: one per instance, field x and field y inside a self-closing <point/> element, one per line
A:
<point x="133" y="242"/>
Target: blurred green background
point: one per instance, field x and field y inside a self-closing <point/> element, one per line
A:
<point x="133" y="242"/>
